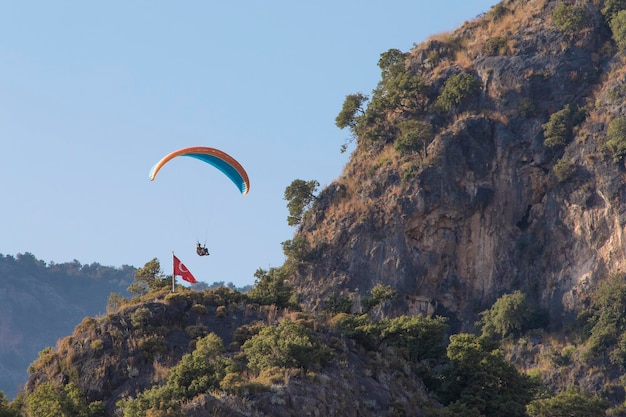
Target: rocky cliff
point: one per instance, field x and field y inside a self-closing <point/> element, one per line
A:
<point x="493" y="203"/>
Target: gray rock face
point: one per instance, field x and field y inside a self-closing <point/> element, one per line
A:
<point x="483" y="213"/>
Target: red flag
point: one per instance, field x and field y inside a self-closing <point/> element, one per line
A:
<point x="181" y="269"/>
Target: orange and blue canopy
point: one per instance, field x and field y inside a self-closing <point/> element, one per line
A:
<point x="219" y="159"/>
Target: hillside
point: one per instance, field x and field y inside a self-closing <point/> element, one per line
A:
<point x="469" y="261"/>
<point x="40" y="303"/>
<point x="488" y="159"/>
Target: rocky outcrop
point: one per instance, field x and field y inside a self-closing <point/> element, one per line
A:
<point x="483" y="213"/>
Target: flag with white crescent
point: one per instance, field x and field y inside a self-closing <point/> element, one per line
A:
<point x="181" y="270"/>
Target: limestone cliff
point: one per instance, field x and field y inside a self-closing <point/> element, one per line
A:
<point x="482" y="210"/>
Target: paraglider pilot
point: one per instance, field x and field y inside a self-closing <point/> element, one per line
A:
<point x="201" y="250"/>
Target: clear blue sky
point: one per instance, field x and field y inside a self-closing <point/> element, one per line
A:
<point x="92" y="94"/>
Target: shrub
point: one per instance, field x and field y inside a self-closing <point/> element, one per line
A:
<point x="50" y="400"/>
<point x="199" y="309"/>
<point x="479" y="381"/>
<point x="380" y="293"/>
<point x="571" y="403"/>
<point x="528" y="108"/>
<point x="558" y="129"/>
<point x="200" y="370"/>
<point x="97" y="344"/>
<point x="605" y="318"/>
<point x="616" y="138"/>
<point x="564" y="169"/>
<point x="457" y="89"/>
<point x="618" y="27"/>
<point x="152" y="347"/>
<point x="271" y="287"/>
<point x="338" y="304"/>
<point x="221" y="312"/>
<point x="417" y="337"/>
<point x="196" y="331"/>
<point x="510" y="314"/>
<point x="140" y="317"/>
<point x="287" y="345"/>
<point x="570" y="19"/>
<point x="612" y="7"/>
<point x="415" y="135"/>
<point x="495" y="46"/>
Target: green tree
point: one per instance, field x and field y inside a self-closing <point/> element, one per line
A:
<point x="612" y="7"/>
<point x="6" y="410"/>
<point x="605" y="318"/>
<point x="299" y="194"/>
<point x="156" y="401"/>
<point x="287" y="345"/>
<point x="148" y="278"/>
<point x="351" y="111"/>
<point x="457" y="89"/>
<point x="479" y="381"/>
<point x="399" y="89"/>
<point x="618" y="27"/>
<point x="200" y="370"/>
<point x="271" y="287"/>
<point x="114" y="302"/>
<point x="415" y="136"/>
<point x="564" y="169"/>
<point x="569" y="403"/>
<point x="570" y="19"/>
<point x="400" y="92"/>
<point x="51" y="400"/>
<point x="558" y="129"/>
<point x="510" y="314"/>
<point x="380" y="293"/>
<point x="419" y="337"/>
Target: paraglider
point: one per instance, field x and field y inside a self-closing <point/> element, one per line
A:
<point x="216" y="158"/>
<point x="201" y="250"/>
<point x="220" y="160"/>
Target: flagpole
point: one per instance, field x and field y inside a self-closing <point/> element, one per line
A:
<point x="173" y="274"/>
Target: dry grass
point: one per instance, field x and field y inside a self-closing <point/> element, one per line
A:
<point x="161" y="372"/>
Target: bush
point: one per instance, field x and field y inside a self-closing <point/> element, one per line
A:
<point x="616" y="138"/>
<point x="479" y="381"/>
<point x="196" y="331"/>
<point x="457" y="89"/>
<point x="510" y="314"/>
<point x="570" y="19"/>
<point x="558" y="129"/>
<point x="570" y="403"/>
<point x="287" y="345"/>
<point x="528" y="108"/>
<point x="200" y="370"/>
<point x="612" y="7"/>
<point x="415" y="135"/>
<point x="605" y="318"/>
<point x="271" y="287"/>
<point x="50" y="400"/>
<point x="564" y="169"/>
<point x="618" y="27"/>
<point x="496" y="46"/>
<point x="140" y="317"/>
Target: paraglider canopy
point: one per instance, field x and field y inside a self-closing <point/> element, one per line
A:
<point x="219" y="159"/>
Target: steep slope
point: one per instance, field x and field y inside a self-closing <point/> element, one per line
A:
<point x="144" y="348"/>
<point x="516" y="189"/>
